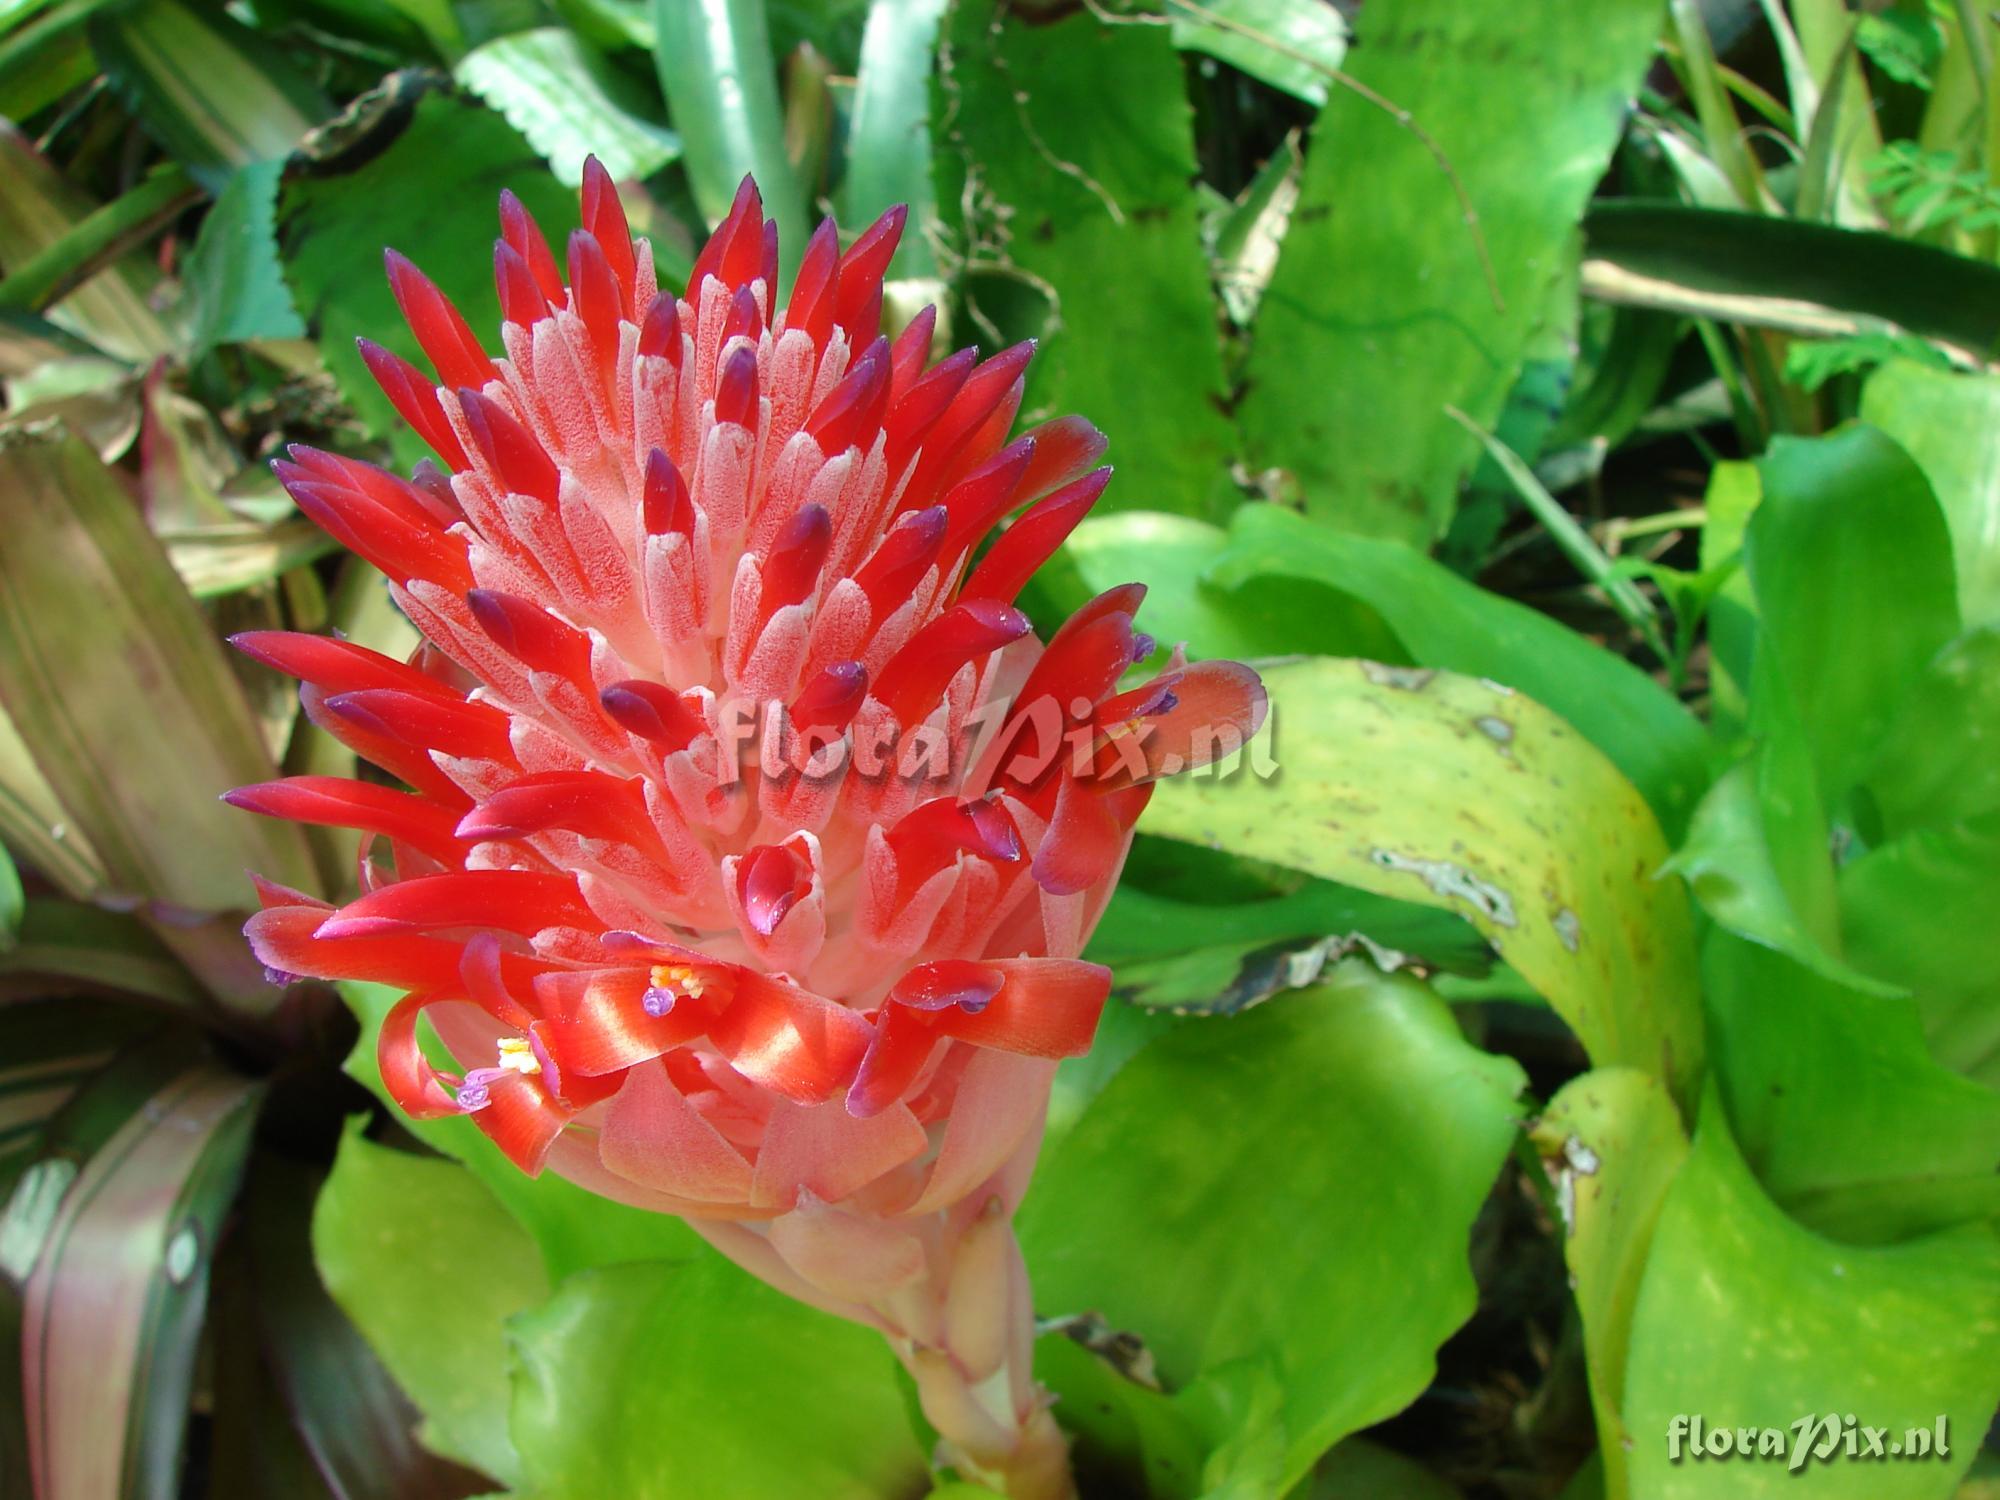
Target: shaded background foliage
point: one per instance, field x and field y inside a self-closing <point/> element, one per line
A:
<point x="1586" y="414"/>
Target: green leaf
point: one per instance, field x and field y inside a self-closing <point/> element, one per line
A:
<point x="1278" y="1197"/>
<point x="1457" y="793"/>
<point x="1749" y="1319"/>
<point x="233" y="272"/>
<point x="38" y="207"/>
<point x="63" y="946"/>
<point x="371" y="183"/>
<point x="716" y="70"/>
<point x="1612" y="1142"/>
<point x="1445" y="621"/>
<point x="575" y="1229"/>
<point x="43" y="58"/>
<point x="1360" y="1470"/>
<point x="1083" y="178"/>
<point x="1756" y="859"/>
<point x="1851" y="565"/>
<point x="1624" y="595"/>
<point x="391" y="1235"/>
<point x="1176" y="556"/>
<point x="1847" y="1119"/>
<point x="113" y="1305"/>
<point x="655" y="1382"/>
<point x="1921" y="911"/>
<point x="96" y="241"/>
<point x="1950" y="424"/>
<point x="1774" y="272"/>
<point x="215" y="93"/>
<point x="1387" y="305"/>
<point x="569" y="104"/>
<point x="1934" y="764"/>
<point x="888" y="132"/>
<point x="1296" y="48"/>
<point x="13" y="902"/>
<point x="85" y="581"/>
<point x="358" y="1426"/>
<point x="34" y="825"/>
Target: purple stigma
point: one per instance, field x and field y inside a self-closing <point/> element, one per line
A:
<point x="658" y="1002"/>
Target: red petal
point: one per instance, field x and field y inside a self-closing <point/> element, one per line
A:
<point x="454" y="353"/>
<point x="597" y="1021"/>
<point x="519" y="901"/>
<point x="604" y="217"/>
<point x="428" y="721"/>
<point x="914" y="679"/>
<point x="415" y="399"/>
<point x="518" y="228"/>
<point x="407" y="1075"/>
<point x="788" y="1039"/>
<point x="522" y="1120"/>
<point x="336" y="802"/>
<point x="1023" y="547"/>
<point x="511" y="453"/>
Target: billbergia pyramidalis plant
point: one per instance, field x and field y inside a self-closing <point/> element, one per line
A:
<point x="752" y="835"/>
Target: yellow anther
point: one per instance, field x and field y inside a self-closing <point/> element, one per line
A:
<point x="516" y="1056"/>
<point x="679" y="978"/>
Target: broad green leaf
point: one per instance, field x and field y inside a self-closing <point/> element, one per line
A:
<point x="1461" y="794"/>
<point x="233" y="274"/>
<point x="1444" y="621"/>
<point x="37" y="208"/>
<point x="1297" y="48"/>
<point x="52" y="1049"/>
<point x="1773" y="272"/>
<point x="1935" y="763"/>
<point x="85" y="581"/>
<point x="65" y="946"/>
<point x="1064" y="156"/>
<point x="429" y="1267"/>
<point x="43" y="57"/>
<point x="656" y="1382"/>
<point x="1360" y="1470"/>
<point x="1285" y="1199"/>
<point x="716" y="70"/>
<point x="34" y="825"/>
<point x="1735" y="863"/>
<point x="1749" y="1319"/>
<point x="1950" y="424"/>
<point x="1851" y="565"/>
<point x="1922" y="911"/>
<point x="575" y="1229"/>
<point x="358" y="1426"/>
<point x="112" y="1308"/>
<point x="1175" y="556"/>
<point x="569" y="104"/>
<point x="1848" y="1120"/>
<point x="370" y="182"/>
<point x="1388" y="305"/>
<point x="215" y="93"/>
<point x="888" y="130"/>
<point x="1612" y="1141"/>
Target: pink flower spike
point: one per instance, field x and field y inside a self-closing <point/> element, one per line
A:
<point x="710" y="871"/>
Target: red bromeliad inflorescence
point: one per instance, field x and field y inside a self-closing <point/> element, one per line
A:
<point x="752" y="836"/>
